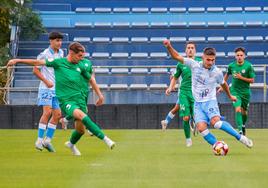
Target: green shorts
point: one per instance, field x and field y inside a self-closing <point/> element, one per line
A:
<point x="186" y="103"/>
<point x="242" y="100"/>
<point x="69" y="106"/>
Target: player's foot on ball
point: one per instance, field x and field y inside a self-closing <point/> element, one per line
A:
<point x="38" y="145"/>
<point x="73" y="148"/>
<point x="164" y="125"/>
<point x="189" y="142"/>
<point x="47" y="145"/>
<point x="246" y="141"/>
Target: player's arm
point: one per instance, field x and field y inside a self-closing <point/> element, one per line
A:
<point x="97" y="90"/>
<point x="171" y="85"/>
<point x="240" y="77"/>
<point x="40" y="76"/>
<point x="174" y="54"/>
<point x="32" y="62"/>
<point x="225" y="87"/>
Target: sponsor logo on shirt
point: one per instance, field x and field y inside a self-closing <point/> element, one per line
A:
<point x="78" y="69"/>
<point x="243" y="71"/>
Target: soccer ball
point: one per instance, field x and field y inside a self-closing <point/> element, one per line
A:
<point x="220" y="148"/>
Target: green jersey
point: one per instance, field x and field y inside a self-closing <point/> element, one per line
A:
<point x="69" y="78"/>
<point x="186" y="74"/>
<point x="246" y="70"/>
<point x="84" y="87"/>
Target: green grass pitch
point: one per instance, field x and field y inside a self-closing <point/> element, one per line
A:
<point x="142" y="158"/>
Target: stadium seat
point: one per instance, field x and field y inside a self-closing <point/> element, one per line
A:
<point x="177" y="39"/>
<point x="215" y="24"/>
<point x="119" y="86"/>
<point x="158" y="86"/>
<point x="254" y="23"/>
<point x="120" y="40"/>
<point x="102" y="24"/>
<point x="101" y="39"/>
<point x="233" y="9"/>
<point x="102" y="10"/>
<point x="177" y="9"/>
<point x="119" y="55"/>
<point x="103" y="86"/>
<point x="235" y="38"/>
<point x="101" y="55"/>
<point x="197" y="24"/>
<point x="83" y="24"/>
<point x="121" y="24"/>
<point x="158" y="70"/>
<point x="121" y="10"/>
<point x="235" y="24"/>
<point x="158" y="10"/>
<point x="215" y="9"/>
<point x="158" y="55"/>
<point x="138" y="86"/>
<point x="198" y="54"/>
<point x="197" y="39"/>
<point x="266" y="38"/>
<point x="82" y="39"/>
<point x="139" y="39"/>
<point x="140" y="24"/>
<point x="140" y="10"/>
<point x="196" y="9"/>
<point x="139" y="55"/>
<point x="159" y="24"/>
<point x="83" y="10"/>
<point x="101" y="70"/>
<point x="231" y="54"/>
<point x="254" y="38"/>
<point x="139" y="70"/>
<point x="157" y="39"/>
<point x="215" y="39"/>
<point x="252" y="9"/>
<point x="178" y="24"/>
<point x="257" y="85"/>
<point x="119" y="70"/>
<point x="255" y="54"/>
<point x="220" y="54"/>
<point x="265" y="9"/>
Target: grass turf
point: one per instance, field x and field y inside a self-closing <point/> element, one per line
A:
<point x="142" y="158"/>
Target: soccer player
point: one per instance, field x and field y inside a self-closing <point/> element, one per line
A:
<point x="70" y="73"/>
<point x="190" y="50"/>
<point x="243" y="75"/>
<point x="46" y="94"/>
<point x="185" y="100"/>
<point x="205" y="77"/>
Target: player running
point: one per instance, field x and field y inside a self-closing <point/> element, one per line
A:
<point x="205" y="77"/>
<point x="243" y="75"/>
<point x="46" y="94"/>
<point x="185" y="100"/>
<point x="69" y="75"/>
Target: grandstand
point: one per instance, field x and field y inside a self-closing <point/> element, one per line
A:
<point x="124" y="42"/>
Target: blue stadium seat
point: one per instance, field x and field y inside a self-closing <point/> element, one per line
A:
<point x="177" y="24"/>
<point x="197" y="39"/>
<point x="83" y="10"/>
<point x="235" y="38"/>
<point x="138" y="86"/>
<point x="139" y="70"/>
<point x="196" y="9"/>
<point x="158" y="70"/>
<point x="119" y="55"/>
<point x="138" y="55"/>
<point x="101" y="39"/>
<point x="139" y="39"/>
<point x="233" y="9"/>
<point x="215" y="9"/>
<point x="177" y="9"/>
<point x="120" y="39"/>
<point x="119" y="71"/>
<point x="197" y="24"/>
<point x="102" y="24"/>
<point x="82" y="39"/>
<point x="254" y="38"/>
<point x="158" y="10"/>
<point x="157" y="39"/>
<point x="121" y="24"/>
<point x="235" y="24"/>
<point x="121" y="10"/>
<point x="252" y="9"/>
<point x="100" y="55"/>
<point x="254" y="23"/>
<point x="118" y="86"/>
<point x="102" y="10"/>
<point x="215" y="24"/>
<point x="158" y="55"/>
<point x="215" y="39"/>
<point x="256" y="54"/>
<point x="83" y="24"/>
<point x="140" y="10"/>
<point x="101" y="71"/>
<point x="158" y="86"/>
<point x="140" y="24"/>
<point x="177" y="39"/>
<point x="159" y="24"/>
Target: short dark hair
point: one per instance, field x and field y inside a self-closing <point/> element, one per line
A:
<point x="190" y="42"/>
<point x="55" y="35"/>
<point x="76" y="47"/>
<point x="240" y="49"/>
<point x="209" y="51"/>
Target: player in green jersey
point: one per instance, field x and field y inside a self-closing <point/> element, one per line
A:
<point x="243" y="75"/>
<point x="185" y="100"/>
<point x="70" y="74"/>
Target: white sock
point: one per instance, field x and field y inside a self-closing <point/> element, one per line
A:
<point x="171" y="115"/>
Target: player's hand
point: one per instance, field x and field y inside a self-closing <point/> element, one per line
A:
<point x="168" y="91"/>
<point x="238" y="75"/>
<point x="100" y="101"/>
<point x="219" y="90"/>
<point x="166" y="43"/>
<point x="11" y="62"/>
<point x="233" y="98"/>
<point x="49" y="84"/>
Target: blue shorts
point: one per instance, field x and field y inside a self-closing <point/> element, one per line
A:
<point x="47" y="97"/>
<point x="204" y="111"/>
<point x="178" y="101"/>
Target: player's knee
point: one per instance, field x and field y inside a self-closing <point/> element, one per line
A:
<point x="47" y="113"/>
<point x="186" y="118"/>
<point x="238" y="109"/>
<point x="214" y="120"/>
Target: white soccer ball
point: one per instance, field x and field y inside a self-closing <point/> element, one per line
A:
<point x="220" y="148"/>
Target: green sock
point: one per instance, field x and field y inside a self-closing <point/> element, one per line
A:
<point x="238" y="120"/>
<point x="186" y="127"/>
<point x="90" y="125"/>
<point x="75" y="137"/>
<point x="244" y="118"/>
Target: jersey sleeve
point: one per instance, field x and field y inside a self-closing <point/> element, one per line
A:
<point x="41" y="56"/>
<point x="229" y="70"/>
<point x="178" y="71"/>
<point x="189" y="62"/>
<point x="251" y="72"/>
<point x="52" y="63"/>
<point x="220" y="78"/>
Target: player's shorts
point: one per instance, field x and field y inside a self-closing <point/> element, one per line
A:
<point x="186" y="103"/>
<point x="242" y="100"/>
<point x="47" y="97"/>
<point x="205" y="111"/>
<point x="69" y="106"/>
<point x="178" y="100"/>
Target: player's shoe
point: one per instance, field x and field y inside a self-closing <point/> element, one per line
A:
<point x="109" y="142"/>
<point x="189" y="142"/>
<point x="39" y="145"/>
<point x="63" y="123"/>
<point x="193" y="127"/>
<point x="244" y="130"/>
<point x="73" y="148"/>
<point x="90" y="133"/>
<point x="246" y="141"/>
<point x="47" y="145"/>
<point x="164" y="125"/>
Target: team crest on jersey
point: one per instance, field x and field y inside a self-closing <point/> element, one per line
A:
<point x="78" y="69"/>
<point x="50" y="59"/>
<point x="184" y="67"/>
<point x="243" y="71"/>
<point x="86" y="65"/>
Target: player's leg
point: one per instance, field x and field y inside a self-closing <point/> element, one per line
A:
<point x="201" y="121"/>
<point x="244" y="111"/>
<point x="238" y="114"/>
<point x="75" y="137"/>
<point x="170" y="116"/>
